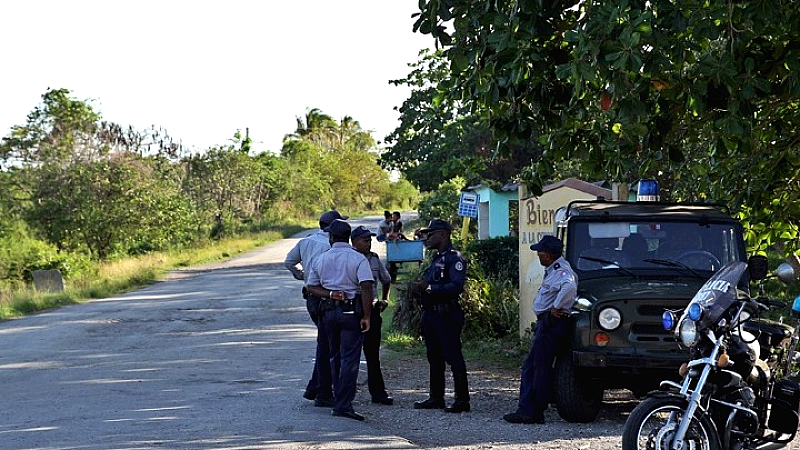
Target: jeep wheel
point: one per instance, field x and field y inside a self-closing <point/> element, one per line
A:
<point x="577" y="400"/>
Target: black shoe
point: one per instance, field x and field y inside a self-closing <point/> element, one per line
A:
<point x="308" y="395"/>
<point x="349" y="414"/>
<point x="457" y="407"/>
<point x="516" y="417"/>
<point x="429" y="404"/>
<point x="324" y="402"/>
<point x="383" y="401"/>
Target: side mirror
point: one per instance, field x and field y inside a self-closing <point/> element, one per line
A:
<point x="757" y="267"/>
<point x="583" y="304"/>
<point x="785" y="273"/>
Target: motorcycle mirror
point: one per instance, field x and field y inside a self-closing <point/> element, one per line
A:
<point x="757" y="267"/>
<point x="785" y="273"/>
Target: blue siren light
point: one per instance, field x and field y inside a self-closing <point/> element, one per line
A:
<point x="648" y="191"/>
<point x="695" y="311"/>
<point x="668" y="320"/>
<point x="795" y="308"/>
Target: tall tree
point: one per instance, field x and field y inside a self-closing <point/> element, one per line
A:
<point x="86" y="184"/>
<point x="438" y="138"/>
<point x="699" y="93"/>
<point x="316" y="127"/>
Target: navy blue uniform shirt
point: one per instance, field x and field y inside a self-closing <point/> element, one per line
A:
<point x="446" y="276"/>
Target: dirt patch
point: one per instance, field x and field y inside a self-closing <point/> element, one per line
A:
<point x="494" y="392"/>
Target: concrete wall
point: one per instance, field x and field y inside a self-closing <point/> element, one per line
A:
<point x="536" y="219"/>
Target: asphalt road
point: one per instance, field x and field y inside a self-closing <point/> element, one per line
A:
<point x="215" y="357"/>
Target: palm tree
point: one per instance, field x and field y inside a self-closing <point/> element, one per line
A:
<point x="315" y="127"/>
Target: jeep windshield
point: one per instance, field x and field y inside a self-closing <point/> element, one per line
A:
<point x="692" y="248"/>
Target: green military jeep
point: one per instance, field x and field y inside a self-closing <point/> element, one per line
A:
<point x="634" y="260"/>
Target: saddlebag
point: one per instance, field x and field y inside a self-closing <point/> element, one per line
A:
<point x="785" y="406"/>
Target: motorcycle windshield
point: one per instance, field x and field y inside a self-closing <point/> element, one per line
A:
<point x="717" y="294"/>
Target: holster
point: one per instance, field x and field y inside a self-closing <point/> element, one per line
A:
<point x="313" y="305"/>
<point x="349" y="305"/>
<point x="358" y="307"/>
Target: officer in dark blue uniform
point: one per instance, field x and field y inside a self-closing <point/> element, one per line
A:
<point x="553" y="300"/>
<point x="443" y="318"/>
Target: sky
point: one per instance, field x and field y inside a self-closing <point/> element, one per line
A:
<point x="202" y="69"/>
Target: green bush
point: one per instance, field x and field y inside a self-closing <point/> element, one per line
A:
<point x="491" y="306"/>
<point x="491" y="303"/>
<point x="21" y="255"/>
<point x="497" y="257"/>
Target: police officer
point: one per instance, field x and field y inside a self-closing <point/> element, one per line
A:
<point x="361" y="238"/>
<point x="443" y="318"/>
<point x="336" y="277"/>
<point x="319" y="387"/>
<point x="553" y="300"/>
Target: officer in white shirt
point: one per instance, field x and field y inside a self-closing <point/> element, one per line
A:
<point x="320" y="386"/>
<point x="553" y="300"/>
<point x="342" y="277"/>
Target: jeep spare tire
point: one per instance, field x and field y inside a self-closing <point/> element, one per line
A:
<point x="577" y="399"/>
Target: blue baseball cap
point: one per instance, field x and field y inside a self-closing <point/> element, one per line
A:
<point x="549" y="244"/>
<point x="338" y="228"/>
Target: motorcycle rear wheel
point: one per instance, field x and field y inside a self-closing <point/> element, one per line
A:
<point x="649" y="427"/>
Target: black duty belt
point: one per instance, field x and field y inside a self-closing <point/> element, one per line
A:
<point x="347" y="302"/>
<point x="441" y="305"/>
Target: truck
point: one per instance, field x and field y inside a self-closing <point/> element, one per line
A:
<point x="633" y="261"/>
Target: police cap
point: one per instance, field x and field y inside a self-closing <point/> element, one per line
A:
<point x="359" y="231"/>
<point x="338" y="229"/>
<point x="436" y="224"/>
<point x="549" y="244"/>
<point x="329" y="216"/>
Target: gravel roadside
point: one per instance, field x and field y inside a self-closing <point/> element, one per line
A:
<point x="494" y="392"/>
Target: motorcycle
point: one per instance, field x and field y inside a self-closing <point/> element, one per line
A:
<point x="739" y="390"/>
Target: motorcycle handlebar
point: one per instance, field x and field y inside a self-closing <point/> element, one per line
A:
<point x="770" y="304"/>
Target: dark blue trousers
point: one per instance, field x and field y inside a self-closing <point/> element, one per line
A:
<point x="345" y="341"/>
<point x="442" y="333"/>
<point x="536" y="384"/>
<point x="321" y="382"/>
<point x="372" y="347"/>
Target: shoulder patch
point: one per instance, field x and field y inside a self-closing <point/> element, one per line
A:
<point x="459" y="266"/>
<point x="556" y="266"/>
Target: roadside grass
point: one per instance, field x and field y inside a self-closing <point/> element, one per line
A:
<point x="113" y="277"/>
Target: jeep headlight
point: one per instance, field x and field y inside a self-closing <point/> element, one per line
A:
<point x="688" y="332"/>
<point x="610" y="319"/>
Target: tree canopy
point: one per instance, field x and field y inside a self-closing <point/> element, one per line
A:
<point x="700" y="94"/>
<point x="95" y="187"/>
<point x="439" y="139"/>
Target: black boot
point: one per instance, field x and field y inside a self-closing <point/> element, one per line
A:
<point x="461" y="389"/>
<point x="457" y="407"/>
<point x="430" y="403"/>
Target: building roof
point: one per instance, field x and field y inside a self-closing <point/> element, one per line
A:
<point x="579" y="185"/>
